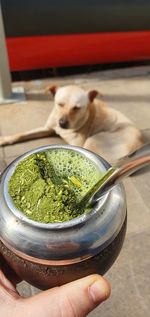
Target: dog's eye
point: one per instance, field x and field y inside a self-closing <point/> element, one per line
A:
<point x="60" y="104"/>
<point x="75" y="108"/>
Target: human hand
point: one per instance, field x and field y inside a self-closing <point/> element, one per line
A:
<point x="75" y="299"/>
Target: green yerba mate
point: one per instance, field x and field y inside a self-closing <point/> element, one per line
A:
<point x="45" y="186"/>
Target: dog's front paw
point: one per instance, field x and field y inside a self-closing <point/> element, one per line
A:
<point x="4" y="140"/>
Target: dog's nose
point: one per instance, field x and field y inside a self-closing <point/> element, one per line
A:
<point x="64" y="123"/>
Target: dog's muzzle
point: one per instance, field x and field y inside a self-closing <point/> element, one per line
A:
<point x="64" y="123"/>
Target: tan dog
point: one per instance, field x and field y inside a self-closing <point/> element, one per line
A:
<point x="83" y="120"/>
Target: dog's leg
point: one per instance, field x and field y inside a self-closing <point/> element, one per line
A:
<point x="114" y="145"/>
<point x="47" y="130"/>
<point x="28" y="135"/>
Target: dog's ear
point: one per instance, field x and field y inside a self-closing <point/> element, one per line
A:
<point x="51" y="89"/>
<point x="92" y="94"/>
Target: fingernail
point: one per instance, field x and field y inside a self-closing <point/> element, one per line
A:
<point x="99" y="291"/>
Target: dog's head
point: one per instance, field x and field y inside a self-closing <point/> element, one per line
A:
<point x="72" y="105"/>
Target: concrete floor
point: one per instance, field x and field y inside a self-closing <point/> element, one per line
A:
<point x="129" y="91"/>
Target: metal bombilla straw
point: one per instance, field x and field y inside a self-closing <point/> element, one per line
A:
<point x="125" y="167"/>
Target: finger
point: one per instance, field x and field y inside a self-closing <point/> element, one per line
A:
<point x="6" y="287"/>
<point x="8" y="271"/>
<point x="75" y="299"/>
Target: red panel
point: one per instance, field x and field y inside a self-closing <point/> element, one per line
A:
<point x="78" y="49"/>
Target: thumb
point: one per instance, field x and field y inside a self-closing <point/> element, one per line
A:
<point x="75" y="299"/>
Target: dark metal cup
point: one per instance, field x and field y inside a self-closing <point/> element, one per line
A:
<point x="48" y="255"/>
